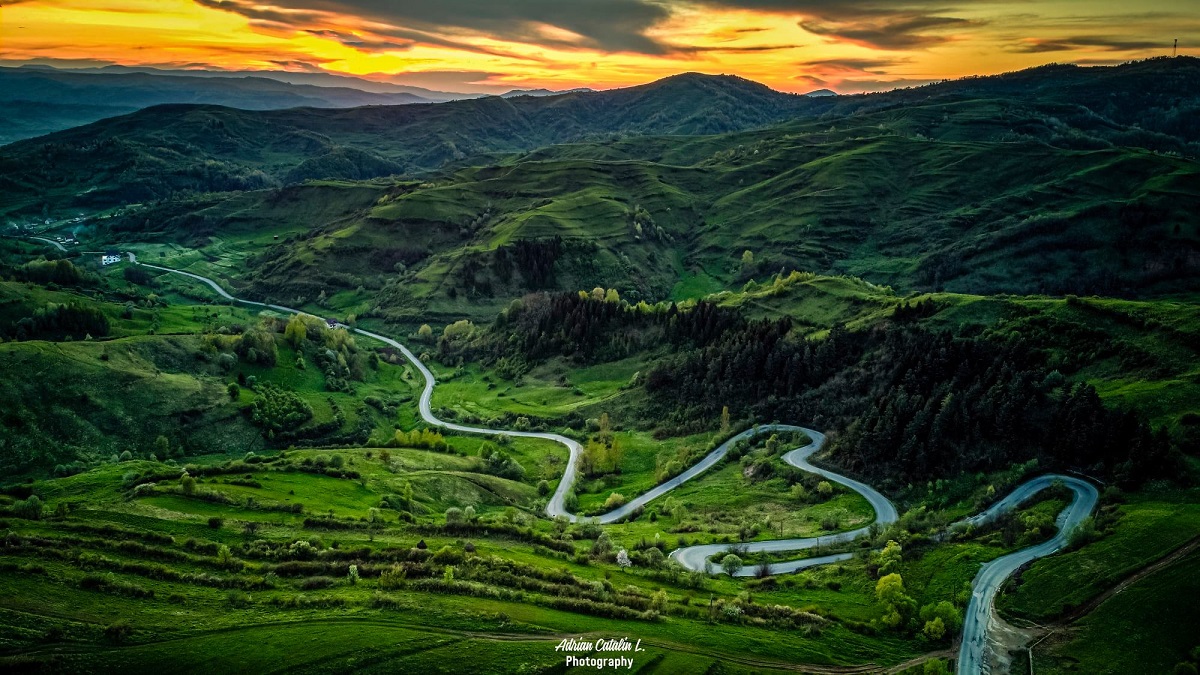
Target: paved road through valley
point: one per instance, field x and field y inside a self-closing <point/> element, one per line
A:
<point x="991" y="576"/>
<point x="981" y="609"/>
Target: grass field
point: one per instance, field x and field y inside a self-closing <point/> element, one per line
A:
<point x="551" y="390"/>
<point x="134" y="566"/>
<point x="284" y="577"/>
<point x="393" y="630"/>
<point x="1147" y="628"/>
<point x="1147" y="527"/>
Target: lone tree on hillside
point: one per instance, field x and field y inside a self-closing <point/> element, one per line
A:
<point x="731" y="564"/>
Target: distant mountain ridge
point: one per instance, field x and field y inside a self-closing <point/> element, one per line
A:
<point x="37" y="101"/>
<point x="163" y="150"/>
<point x="544" y="92"/>
<point x="318" y="79"/>
<point x="145" y="89"/>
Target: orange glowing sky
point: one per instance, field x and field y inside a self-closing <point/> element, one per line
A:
<point x="494" y="45"/>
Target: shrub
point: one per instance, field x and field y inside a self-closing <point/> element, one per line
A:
<point x="1083" y="534"/>
<point x="654" y="557"/>
<point x="277" y="409"/>
<point x="30" y="509"/>
<point x="237" y="598"/>
<point x="447" y="556"/>
<point x="614" y="500"/>
<point x="935" y="629"/>
<point x="216" y="522"/>
<point x="658" y="601"/>
<point x="943" y="616"/>
<point x="118" y="631"/>
<point x="225" y="556"/>
<point x="316" y="583"/>
<point x="392" y="578"/>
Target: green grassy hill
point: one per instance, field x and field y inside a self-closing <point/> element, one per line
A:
<point x="155" y="377"/>
<point x="931" y="196"/>
<point x="165" y="150"/>
<point x="63" y="404"/>
<point x="991" y="287"/>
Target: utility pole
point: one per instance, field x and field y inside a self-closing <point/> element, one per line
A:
<point x="1175" y="49"/>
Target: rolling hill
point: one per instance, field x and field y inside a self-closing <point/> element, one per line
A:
<point x="38" y="101"/>
<point x="164" y="150"/>
<point x="938" y="196"/>
<point x="269" y="476"/>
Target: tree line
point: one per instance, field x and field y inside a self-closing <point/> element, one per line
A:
<point x="909" y="403"/>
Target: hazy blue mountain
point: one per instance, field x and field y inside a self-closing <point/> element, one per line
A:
<point x="38" y="101"/>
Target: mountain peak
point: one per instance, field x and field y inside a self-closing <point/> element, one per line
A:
<point x="705" y="81"/>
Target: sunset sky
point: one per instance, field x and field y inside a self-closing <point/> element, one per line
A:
<point x="495" y="45"/>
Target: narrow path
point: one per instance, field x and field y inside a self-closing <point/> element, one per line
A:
<point x="1151" y="568"/>
<point x="972" y="654"/>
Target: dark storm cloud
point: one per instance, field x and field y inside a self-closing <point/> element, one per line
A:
<point x="878" y="24"/>
<point x="852" y="74"/>
<point x="610" y="25"/>
<point x="890" y="33"/>
<point x="1108" y="44"/>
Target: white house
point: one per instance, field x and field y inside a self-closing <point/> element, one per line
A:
<point x="110" y="258"/>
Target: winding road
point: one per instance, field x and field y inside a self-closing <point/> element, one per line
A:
<point x="980" y="612"/>
<point x="695" y="557"/>
<point x="53" y="243"/>
<point x="979" y="616"/>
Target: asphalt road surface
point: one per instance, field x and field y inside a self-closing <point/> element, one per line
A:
<point x="972" y="653"/>
<point x="51" y="242"/>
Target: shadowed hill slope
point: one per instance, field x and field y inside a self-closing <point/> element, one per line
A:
<point x="164" y="150"/>
<point x="933" y="197"/>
